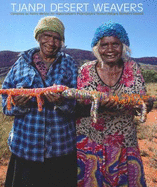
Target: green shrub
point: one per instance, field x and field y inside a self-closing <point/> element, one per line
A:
<point x="149" y="75"/>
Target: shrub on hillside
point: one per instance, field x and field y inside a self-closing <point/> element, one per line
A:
<point x="149" y="75"/>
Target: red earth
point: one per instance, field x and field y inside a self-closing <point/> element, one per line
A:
<point x="148" y="149"/>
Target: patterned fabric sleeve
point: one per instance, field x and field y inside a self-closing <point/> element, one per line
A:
<point x="9" y="83"/>
<point x="83" y="77"/>
<point x="139" y="80"/>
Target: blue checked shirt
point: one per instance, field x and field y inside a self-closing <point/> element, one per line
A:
<point x="50" y="133"/>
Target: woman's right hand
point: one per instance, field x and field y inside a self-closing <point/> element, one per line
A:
<point x="21" y="100"/>
<point x="108" y="104"/>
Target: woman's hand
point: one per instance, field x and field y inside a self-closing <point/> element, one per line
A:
<point x="108" y="104"/>
<point x="149" y="104"/>
<point x="53" y="97"/>
<point x="21" y="100"/>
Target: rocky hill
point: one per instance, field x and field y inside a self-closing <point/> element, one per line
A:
<point x="147" y="60"/>
<point x="7" y="58"/>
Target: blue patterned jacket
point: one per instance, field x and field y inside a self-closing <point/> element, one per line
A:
<point x="49" y="133"/>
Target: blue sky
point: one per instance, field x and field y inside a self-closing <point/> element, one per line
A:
<point x="16" y="31"/>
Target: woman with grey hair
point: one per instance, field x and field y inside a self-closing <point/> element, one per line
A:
<point x="107" y="151"/>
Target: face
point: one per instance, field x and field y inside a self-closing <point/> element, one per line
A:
<point x="50" y="43"/>
<point x="110" y="50"/>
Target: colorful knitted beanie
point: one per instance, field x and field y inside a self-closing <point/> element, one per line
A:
<point x="49" y="23"/>
<point x="110" y="29"/>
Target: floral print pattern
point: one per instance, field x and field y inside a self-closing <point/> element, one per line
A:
<point x="108" y="153"/>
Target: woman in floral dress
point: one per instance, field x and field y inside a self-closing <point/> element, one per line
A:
<point x="107" y="151"/>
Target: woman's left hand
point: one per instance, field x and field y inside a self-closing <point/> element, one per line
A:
<point x="21" y="100"/>
<point x="149" y="103"/>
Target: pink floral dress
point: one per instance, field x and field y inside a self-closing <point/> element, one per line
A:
<point x="107" y="151"/>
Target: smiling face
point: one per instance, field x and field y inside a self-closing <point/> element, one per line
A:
<point x="110" y="50"/>
<point x="50" y="43"/>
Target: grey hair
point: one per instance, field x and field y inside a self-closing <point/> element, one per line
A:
<point x="96" y="52"/>
<point x="126" y="53"/>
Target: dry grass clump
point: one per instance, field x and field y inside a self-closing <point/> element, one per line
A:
<point x="153" y="160"/>
<point x="5" y="126"/>
<point x="4" y="132"/>
<point x="152" y="91"/>
<point x="146" y="131"/>
<point x="144" y="153"/>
